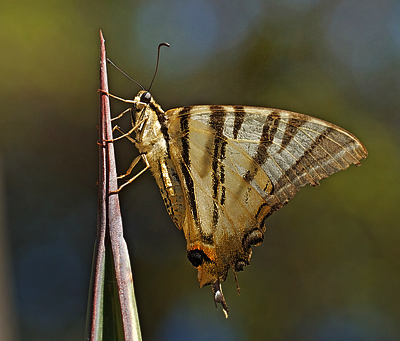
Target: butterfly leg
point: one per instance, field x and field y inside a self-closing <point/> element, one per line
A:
<point x="130" y="170"/>
<point x="116" y="97"/>
<point x="133" y="164"/>
<point x="127" y="135"/>
<point x="121" y="114"/>
<point x="123" y="134"/>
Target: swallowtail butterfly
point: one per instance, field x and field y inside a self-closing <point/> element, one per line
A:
<point x="223" y="169"/>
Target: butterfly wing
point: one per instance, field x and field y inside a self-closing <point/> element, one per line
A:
<point x="237" y="165"/>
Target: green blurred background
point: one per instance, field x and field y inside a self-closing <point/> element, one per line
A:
<point x="329" y="267"/>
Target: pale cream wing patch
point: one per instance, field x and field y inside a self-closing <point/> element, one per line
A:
<point x="238" y="165"/>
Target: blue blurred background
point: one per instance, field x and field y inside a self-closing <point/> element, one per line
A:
<point x="329" y="266"/>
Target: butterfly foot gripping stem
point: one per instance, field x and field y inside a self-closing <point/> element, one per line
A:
<point x="116" y="97"/>
<point x="219" y="297"/>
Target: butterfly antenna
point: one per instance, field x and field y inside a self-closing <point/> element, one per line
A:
<point x="158" y="58"/>
<point x="125" y="74"/>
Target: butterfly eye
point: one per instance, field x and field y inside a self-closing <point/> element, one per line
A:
<point x="196" y="257"/>
<point x="145" y="97"/>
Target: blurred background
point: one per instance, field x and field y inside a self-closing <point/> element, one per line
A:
<point x="329" y="266"/>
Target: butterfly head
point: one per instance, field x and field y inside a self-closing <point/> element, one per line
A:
<point x="143" y="104"/>
<point x="146" y="117"/>
<point x="142" y="100"/>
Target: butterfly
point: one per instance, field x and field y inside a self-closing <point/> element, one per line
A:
<point x="223" y="169"/>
